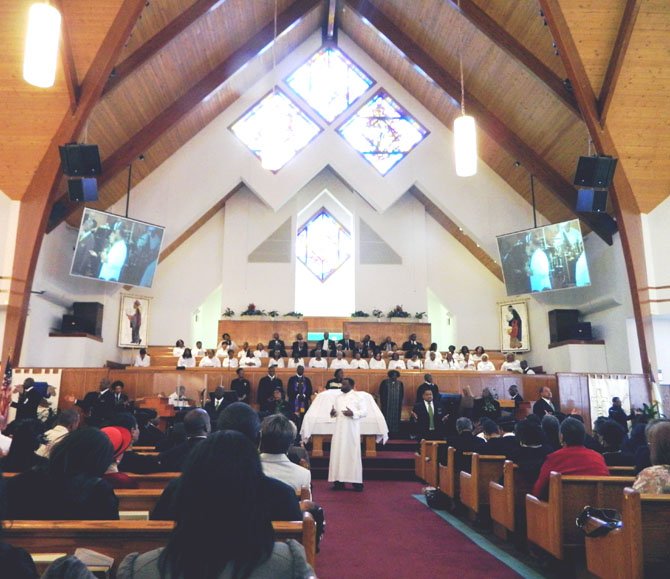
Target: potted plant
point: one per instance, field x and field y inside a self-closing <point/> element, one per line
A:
<point x="360" y="314"/>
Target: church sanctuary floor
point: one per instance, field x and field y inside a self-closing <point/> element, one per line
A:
<point x="394" y="461"/>
<point x="386" y="532"/>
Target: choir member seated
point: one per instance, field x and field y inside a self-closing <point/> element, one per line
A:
<point x="178" y="349"/>
<point x="485" y="365"/>
<point x="277" y="345"/>
<point x="358" y="363"/>
<point x="142" y="360"/>
<point x="317" y="361"/>
<point x="210" y="360"/>
<point x="376" y="362"/>
<point x="186" y="360"/>
<point x="299" y="347"/>
<point x="511" y="364"/>
<point x="412" y="345"/>
<point x="339" y="361"/>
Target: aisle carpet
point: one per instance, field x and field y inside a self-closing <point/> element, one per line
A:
<point x="384" y="532"/>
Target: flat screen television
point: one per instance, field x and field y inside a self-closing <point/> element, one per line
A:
<point x="544" y="259"/>
<point x="116" y="249"/>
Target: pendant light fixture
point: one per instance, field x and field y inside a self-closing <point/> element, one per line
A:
<point x="465" y="131"/>
<point x="41" y="53"/>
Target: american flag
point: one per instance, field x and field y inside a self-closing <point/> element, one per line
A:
<point x="6" y="395"/>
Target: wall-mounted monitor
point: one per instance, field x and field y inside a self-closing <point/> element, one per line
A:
<point x="116" y="249"/>
<point x="544" y="259"/>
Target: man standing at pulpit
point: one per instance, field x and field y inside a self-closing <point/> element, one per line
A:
<point x="346" y="465"/>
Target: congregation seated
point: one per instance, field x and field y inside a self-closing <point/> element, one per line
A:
<point x="317" y="361"/>
<point x="655" y="479"/>
<point x="449" y="363"/>
<point x="346" y="344"/>
<point x="376" y="363"/>
<point x="210" y="360"/>
<point x="395" y="363"/>
<point x="511" y="364"/>
<point x="299" y="347"/>
<point x="496" y="443"/>
<point x="234" y="536"/>
<point x="142" y="360"/>
<point x="227" y="341"/>
<point x="260" y="351"/>
<point x="339" y="362"/>
<point x="230" y="360"/>
<point x="277" y="345"/>
<point x="277" y="435"/>
<point x="412" y="345"/>
<point x="485" y="365"/>
<point x="466" y="441"/>
<point x="466" y="361"/>
<point x="358" y="362"/>
<point x="248" y="360"/>
<point x="573" y="459"/>
<point x="550" y="428"/>
<point x="432" y="362"/>
<point x="414" y="363"/>
<point x="295" y="361"/>
<point x="150" y="434"/>
<point x="197" y="350"/>
<point x="197" y="426"/>
<point x="277" y="498"/>
<point x="133" y="461"/>
<point x="276" y="360"/>
<point x="26" y="439"/>
<point x="70" y="486"/>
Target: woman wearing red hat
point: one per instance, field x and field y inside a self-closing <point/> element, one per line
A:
<point x="120" y="439"/>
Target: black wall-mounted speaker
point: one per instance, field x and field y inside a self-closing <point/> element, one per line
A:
<point x="80" y="190"/>
<point x="561" y="324"/>
<point x="91" y="313"/>
<point x="591" y="200"/>
<point x="74" y="325"/>
<point x="595" y="172"/>
<point x="80" y="160"/>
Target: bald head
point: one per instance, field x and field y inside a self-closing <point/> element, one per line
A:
<point x="196" y="423"/>
<point x="242" y="418"/>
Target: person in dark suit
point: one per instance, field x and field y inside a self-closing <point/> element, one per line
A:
<point x="616" y="413"/>
<point x="530" y="453"/>
<point x="429" y="417"/>
<point x="496" y="443"/>
<point x="412" y="345"/>
<point x="428" y="384"/>
<point x="28" y="402"/>
<point x="299" y="388"/>
<point x="121" y="402"/>
<point x="466" y="441"/>
<point x="215" y="405"/>
<point x="367" y="347"/>
<point x="514" y="395"/>
<point x="242" y="386"/>
<point x="85" y="256"/>
<point x="610" y="435"/>
<point x="277" y="345"/>
<point x="267" y="384"/>
<point x="348" y="345"/>
<point x="197" y="426"/>
<point x="544" y="404"/>
<point x="325" y="345"/>
<point x="299" y="348"/>
<point x="150" y="434"/>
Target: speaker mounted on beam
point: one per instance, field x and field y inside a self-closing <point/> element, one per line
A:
<point x="80" y="160"/>
<point x="595" y="172"/>
<point x="82" y="190"/>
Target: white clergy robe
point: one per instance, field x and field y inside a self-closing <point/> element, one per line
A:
<point x="345" y="450"/>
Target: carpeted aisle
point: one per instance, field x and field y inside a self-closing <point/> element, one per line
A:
<point x="384" y="532"/>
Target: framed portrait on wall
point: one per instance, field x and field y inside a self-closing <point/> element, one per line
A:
<point x="133" y="321"/>
<point x="514" y="328"/>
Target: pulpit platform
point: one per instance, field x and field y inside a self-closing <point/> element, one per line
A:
<point x="392" y="461"/>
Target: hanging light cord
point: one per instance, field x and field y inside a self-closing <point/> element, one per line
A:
<point x="274" y="52"/>
<point x="460" y="63"/>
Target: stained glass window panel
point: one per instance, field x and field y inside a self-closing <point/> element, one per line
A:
<point x="329" y="82"/>
<point x="323" y="245"/>
<point x="276" y="123"/>
<point x="383" y="132"/>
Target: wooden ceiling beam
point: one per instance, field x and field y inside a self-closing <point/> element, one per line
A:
<point x="329" y="33"/>
<point x="36" y="202"/>
<point x="561" y="188"/>
<point x="67" y="58"/>
<point x="623" y="200"/>
<point x="457" y="232"/>
<point x="163" y="37"/>
<point x="618" y="55"/>
<point x="141" y="141"/>
<point x="505" y="41"/>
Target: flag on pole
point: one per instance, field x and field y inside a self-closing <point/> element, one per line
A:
<point x="6" y="394"/>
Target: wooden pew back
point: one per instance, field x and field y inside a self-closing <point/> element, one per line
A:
<point x="551" y="524"/>
<point x="641" y="542"/>
<point x="475" y="484"/>
<point x="447" y="481"/>
<point x="502" y="498"/>
<point x="428" y="466"/>
<point x="119" y="538"/>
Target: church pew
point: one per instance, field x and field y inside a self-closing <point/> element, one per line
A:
<point x="621" y="470"/>
<point x="157" y="480"/>
<point x="137" y="499"/>
<point x="502" y="501"/>
<point x="640" y="548"/>
<point x="551" y="524"/>
<point x="119" y="538"/>
<point x="448" y="481"/>
<point x="474" y="485"/>
<point x="429" y="461"/>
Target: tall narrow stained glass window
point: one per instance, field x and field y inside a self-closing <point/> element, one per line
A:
<point x="329" y="82"/>
<point x="383" y="132"/>
<point x="323" y="245"/>
<point x="278" y="124"/>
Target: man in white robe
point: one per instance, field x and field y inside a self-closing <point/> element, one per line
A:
<point x="339" y="362"/>
<point x="346" y="464"/>
<point x="114" y="258"/>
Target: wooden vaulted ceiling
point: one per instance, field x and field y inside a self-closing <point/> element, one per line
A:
<point x="181" y="51"/>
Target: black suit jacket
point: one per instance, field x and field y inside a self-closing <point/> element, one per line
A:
<point x="425" y="386"/>
<point x="173" y="460"/>
<point x="368" y="348"/>
<point x="540" y="406"/>
<point x="501" y="446"/>
<point x="265" y="387"/>
<point x="243" y="388"/>
<point x="213" y="411"/>
<point x="26" y="406"/>
<point x="423" y="420"/>
<point x="348" y="345"/>
<point x="277" y="345"/>
<point x="326" y="346"/>
<point x="299" y="350"/>
<point x="409" y="347"/>
<point x="121" y="404"/>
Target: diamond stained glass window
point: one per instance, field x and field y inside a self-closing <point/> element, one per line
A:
<point x="383" y="132"/>
<point x="277" y="127"/>
<point x="323" y="245"/>
<point x="329" y="82"/>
